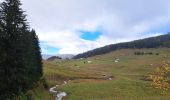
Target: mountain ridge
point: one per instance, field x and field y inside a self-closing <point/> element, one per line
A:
<point x="63" y="56"/>
<point x="151" y="42"/>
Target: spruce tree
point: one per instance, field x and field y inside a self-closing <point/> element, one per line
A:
<point x="38" y="57"/>
<point x="20" y="57"/>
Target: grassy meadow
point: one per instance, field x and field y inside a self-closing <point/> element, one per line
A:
<point x="105" y="79"/>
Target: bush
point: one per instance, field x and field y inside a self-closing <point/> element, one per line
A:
<point x="44" y="82"/>
<point x="40" y="87"/>
<point x="157" y="54"/>
<point x="22" y="96"/>
<point x="161" y="78"/>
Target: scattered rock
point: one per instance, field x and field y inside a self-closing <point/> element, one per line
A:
<point x="65" y="82"/>
<point x="52" y="90"/>
<point x="81" y="58"/>
<point x="110" y="78"/>
<point x="89" y="62"/>
<point x="117" y="60"/>
<point x="59" y="95"/>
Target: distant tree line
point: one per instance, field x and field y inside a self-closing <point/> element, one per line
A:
<point x="145" y="53"/>
<point x="53" y="58"/>
<point x="153" y="42"/>
<point x="20" y="56"/>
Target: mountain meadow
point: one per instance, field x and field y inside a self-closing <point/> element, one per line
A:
<point x="134" y="70"/>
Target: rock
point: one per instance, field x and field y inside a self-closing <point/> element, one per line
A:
<point x="117" y="60"/>
<point x="60" y="95"/>
<point x="52" y="90"/>
<point x="81" y="58"/>
<point x="89" y="62"/>
<point x="65" y="82"/>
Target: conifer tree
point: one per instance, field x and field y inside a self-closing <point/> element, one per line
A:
<point x="20" y="57"/>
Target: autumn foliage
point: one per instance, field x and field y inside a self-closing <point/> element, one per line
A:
<point x="161" y="78"/>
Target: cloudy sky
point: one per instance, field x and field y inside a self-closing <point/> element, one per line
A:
<point x="75" y="26"/>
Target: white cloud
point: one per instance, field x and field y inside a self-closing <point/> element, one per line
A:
<point x="57" y="22"/>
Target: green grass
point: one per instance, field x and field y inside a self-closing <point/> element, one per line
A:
<point x="120" y="89"/>
<point x="37" y="93"/>
<point x="87" y="82"/>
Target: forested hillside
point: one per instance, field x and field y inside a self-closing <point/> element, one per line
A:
<point x="153" y="42"/>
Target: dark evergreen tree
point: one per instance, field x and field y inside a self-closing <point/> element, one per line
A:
<point x="36" y="54"/>
<point x="20" y="57"/>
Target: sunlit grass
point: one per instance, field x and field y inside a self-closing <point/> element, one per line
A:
<point x="88" y="83"/>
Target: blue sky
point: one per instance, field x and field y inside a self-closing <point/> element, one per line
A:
<point x="161" y="29"/>
<point x="91" y="36"/>
<point x="99" y="22"/>
<point x="49" y="50"/>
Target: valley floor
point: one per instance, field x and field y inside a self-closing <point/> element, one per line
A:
<point x="119" y="75"/>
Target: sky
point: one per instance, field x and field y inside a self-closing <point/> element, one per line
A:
<point x="76" y="26"/>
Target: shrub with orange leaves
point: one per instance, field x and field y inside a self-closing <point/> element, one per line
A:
<point x="161" y="78"/>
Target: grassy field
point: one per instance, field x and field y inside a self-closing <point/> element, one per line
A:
<point x="38" y="92"/>
<point x="90" y="81"/>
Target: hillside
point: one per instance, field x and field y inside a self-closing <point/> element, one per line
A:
<point x="53" y="58"/>
<point x="63" y="56"/>
<point x="106" y="79"/>
<point x="152" y="42"/>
